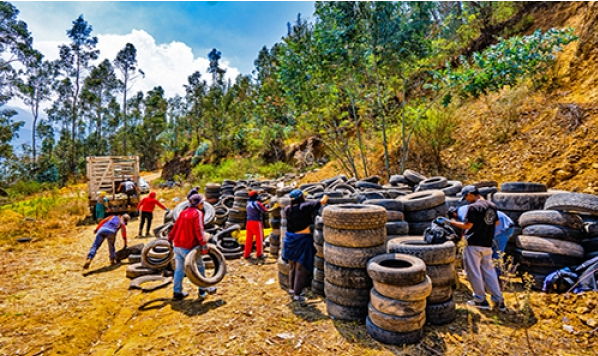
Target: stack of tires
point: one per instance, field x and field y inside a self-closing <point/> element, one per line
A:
<point x="412" y="178"/>
<point x="396" y="225"/>
<point x="317" y="284"/>
<point x="275" y="234"/>
<point x="227" y="188"/>
<point x="397" y="311"/>
<point x="550" y="241"/>
<point x="352" y="235"/>
<point x="212" y="193"/>
<point x="238" y="213"/>
<point x="283" y="273"/>
<point x="440" y="268"/>
<point x="422" y="208"/>
<point x="283" y="267"/>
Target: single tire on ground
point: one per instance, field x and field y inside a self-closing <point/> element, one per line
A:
<point x="397" y="269"/>
<point x="350" y="257"/>
<point x="137" y="270"/>
<point x="137" y="282"/>
<point x="354" y="217"/>
<point x="405" y="293"/>
<point x="431" y="254"/>
<point x="396" y="307"/>
<point x="354" y="238"/>
<point x="391" y="337"/>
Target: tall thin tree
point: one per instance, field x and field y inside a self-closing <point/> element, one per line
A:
<point x="126" y="62"/>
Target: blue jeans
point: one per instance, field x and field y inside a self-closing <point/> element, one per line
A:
<point x="179" y="273"/>
<point x="500" y="243"/>
<point x="103" y="234"/>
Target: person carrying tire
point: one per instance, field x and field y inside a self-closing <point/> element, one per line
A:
<point x="147" y="206"/>
<point x="299" y="247"/>
<point x="186" y="234"/>
<point x="101" y="206"/>
<point x="130" y="189"/>
<point x="480" y="221"/>
<point x="106" y="230"/>
<point x="255" y="226"/>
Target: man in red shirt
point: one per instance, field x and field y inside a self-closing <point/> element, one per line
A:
<point x="187" y="233"/>
<point x="147" y="206"/>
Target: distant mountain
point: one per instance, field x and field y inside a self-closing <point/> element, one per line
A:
<point x="25" y="131"/>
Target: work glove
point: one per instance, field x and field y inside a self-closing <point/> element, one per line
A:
<point x="275" y="206"/>
<point x="95" y="231"/>
<point x="205" y="249"/>
<point x="442" y="220"/>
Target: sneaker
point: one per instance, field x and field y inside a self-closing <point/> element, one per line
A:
<point x="87" y="263"/>
<point x="113" y="262"/>
<point x="180" y="296"/>
<point x="212" y="290"/>
<point x="501" y="306"/>
<point x="260" y="257"/>
<point x="480" y="305"/>
<point x="299" y="298"/>
<point x="291" y="292"/>
<point x="202" y="295"/>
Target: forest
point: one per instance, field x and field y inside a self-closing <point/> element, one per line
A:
<point x="368" y="79"/>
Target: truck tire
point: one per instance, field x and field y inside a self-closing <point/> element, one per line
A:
<point x="422" y="200"/>
<point x="347" y="277"/>
<point x="354" y="217"/>
<point x="396" y="307"/>
<point x="197" y="278"/>
<point x="427" y="214"/>
<point x="573" y="202"/>
<point x="532" y="258"/>
<point x="350" y="257"/>
<point x="397" y="269"/>
<point x="433" y="183"/>
<point x="354" y="238"/>
<point x="431" y="254"/>
<point x="520" y="201"/>
<point x="391" y="337"/>
<point x="411" y="293"/>
<point x="523" y="187"/>
<point x="541" y="244"/>
<point x="553" y="231"/>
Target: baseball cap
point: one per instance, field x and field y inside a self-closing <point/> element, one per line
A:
<point x="467" y="190"/>
<point x="296" y="194"/>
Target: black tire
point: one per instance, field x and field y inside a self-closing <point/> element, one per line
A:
<point x="347" y="297"/>
<point x="440" y="294"/>
<point x="520" y="201"/>
<point x="350" y="257"/>
<point x="486" y="184"/>
<point x="410" y="293"/>
<point x="398" y="179"/>
<point x="395" y="323"/>
<point x="523" y="187"/>
<point x="319" y="262"/>
<point x="422" y="200"/>
<point x="317" y="287"/>
<point x="354" y="217"/>
<point x="553" y="231"/>
<point x="551" y="217"/>
<point x="156" y="263"/>
<point x="441" y="313"/>
<point x="542" y="244"/>
<point x="427" y="214"/>
<point x="441" y="275"/>
<point x="452" y="188"/>
<point x="397" y="228"/>
<point x="197" y="278"/>
<point x="137" y="270"/>
<point x="388" y="204"/>
<point x="354" y="238"/>
<point x="319" y="236"/>
<point x="130" y="250"/>
<point x="394" y="216"/>
<point x="137" y="282"/>
<point x="436" y="254"/>
<point x="364" y="185"/>
<point x="390" y="337"/>
<point x="433" y="183"/>
<point x="319" y="223"/>
<point x="347" y="277"/>
<point x="573" y="202"/>
<point x="532" y="258"/>
<point x="589" y="245"/>
<point x="418" y="228"/>
<point x="283" y="267"/>
<point x="134" y="258"/>
<point x="397" y="269"/>
<point x="396" y="307"/>
<point x="318" y="275"/>
<point x="413" y="176"/>
<point x="341" y="201"/>
<point x="340" y="312"/>
<point x="208" y="210"/>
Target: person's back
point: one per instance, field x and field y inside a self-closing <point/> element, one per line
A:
<point x="483" y="215"/>
<point x="188" y="229"/>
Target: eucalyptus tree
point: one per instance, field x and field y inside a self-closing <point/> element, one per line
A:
<point x="126" y="63"/>
<point x="195" y="92"/>
<point x="150" y="133"/>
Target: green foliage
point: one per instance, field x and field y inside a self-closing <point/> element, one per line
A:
<point x="24" y="188"/>
<point x="237" y="169"/>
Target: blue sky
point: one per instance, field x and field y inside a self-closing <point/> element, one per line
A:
<point x="172" y="39"/>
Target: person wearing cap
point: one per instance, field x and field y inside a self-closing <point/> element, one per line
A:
<point x="480" y="221"/>
<point x="106" y="230"/>
<point x="186" y="234"/>
<point x="101" y="206"/>
<point x="255" y="226"/>
<point x="147" y="206"/>
<point x="298" y="249"/>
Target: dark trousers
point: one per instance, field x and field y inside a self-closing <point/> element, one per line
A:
<point x="146" y="216"/>
<point x="298" y="276"/>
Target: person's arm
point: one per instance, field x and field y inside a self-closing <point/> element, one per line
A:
<point x="140" y="204"/>
<point x="123" y="231"/>
<point x="462" y="225"/>
<point x="119" y="187"/>
<point x="161" y="205"/>
<point x="262" y="207"/>
<point x="324" y="200"/>
<point x="199" y="229"/>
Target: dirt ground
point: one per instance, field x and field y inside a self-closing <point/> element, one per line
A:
<point x="50" y="306"/>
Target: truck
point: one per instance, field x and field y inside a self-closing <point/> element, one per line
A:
<point x="106" y="174"/>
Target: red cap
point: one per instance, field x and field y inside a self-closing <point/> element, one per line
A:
<point x="252" y="193"/>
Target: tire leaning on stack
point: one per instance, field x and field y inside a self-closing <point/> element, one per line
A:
<point x="397" y="311"/>
<point x="353" y="234"/>
<point x="422" y="208"/>
<point x="440" y="268"/>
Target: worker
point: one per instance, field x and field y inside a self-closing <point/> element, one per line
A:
<point x="106" y="230"/>
<point x="255" y="225"/>
<point x="146" y="206"/>
<point x="130" y="189"/>
<point x="186" y="234"/>
<point x="101" y="206"/>
<point x="298" y="248"/>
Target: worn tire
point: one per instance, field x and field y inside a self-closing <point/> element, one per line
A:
<point x="440" y="294"/>
<point x="156" y="263"/>
<point x="453" y="187"/>
<point x="137" y="282"/>
<point x="348" y="297"/>
<point x="283" y="267"/>
<point x="365" y="185"/>
<point x="193" y="274"/>
<point x="354" y="217"/>
<point x="318" y="275"/>
<point x="573" y="202"/>
<point x="319" y="223"/>
<point x="350" y="257"/>
<point x="394" y="216"/>
<point x="433" y="183"/>
<point x="391" y="337"/>
<point x="347" y="277"/>
<point x="437" y="254"/>
<point x="427" y="214"/>
<point x="317" y="287"/>
<point x="397" y="228"/>
<point x="542" y="244"/>
<point x="283" y="281"/>
<point x="513" y="215"/>
<point x="397" y="269"/>
<point x="398" y="179"/>
<point x="553" y="231"/>
<point x="354" y="238"/>
<point x="388" y="204"/>
<point x="422" y="200"/>
<point x="137" y="270"/>
<point x="523" y="187"/>
<point x="410" y="293"/>
<point x="134" y="258"/>
<point x="318" y="236"/>
<point x="395" y="307"/>
<point x="441" y="313"/>
<point x="532" y="258"/>
<point x="340" y="312"/>
<point x="413" y="177"/>
<point x="441" y="275"/>
<point x="418" y="228"/>
<point x="319" y="250"/>
<point x="520" y="201"/>
<point x="400" y="324"/>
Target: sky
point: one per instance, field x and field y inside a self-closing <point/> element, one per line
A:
<point x="172" y="39"/>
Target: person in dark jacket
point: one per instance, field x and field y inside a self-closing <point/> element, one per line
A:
<point x="106" y="230"/>
<point x="147" y="206"/>
<point x="186" y="234"/>
<point x="298" y="249"/>
<point x="255" y="226"/>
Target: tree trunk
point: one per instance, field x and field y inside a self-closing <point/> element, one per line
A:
<point x="35" y="112"/>
<point x="74" y="114"/>
<point x="125" y="114"/>
<point x="357" y="131"/>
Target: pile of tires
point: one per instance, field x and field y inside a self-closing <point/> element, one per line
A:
<point x="396" y="225"/>
<point x="317" y="283"/>
<point x="228" y="245"/>
<point x="212" y="192"/>
<point x="227" y="187"/>
<point x="353" y="234"/>
<point x="515" y="198"/>
<point x="440" y="268"/>
<point x="282" y="265"/>
<point x="421" y="208"/>
<point x="238" y="213"/>
<point x="397" y="312"/>
<point x="275" y="237"/>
